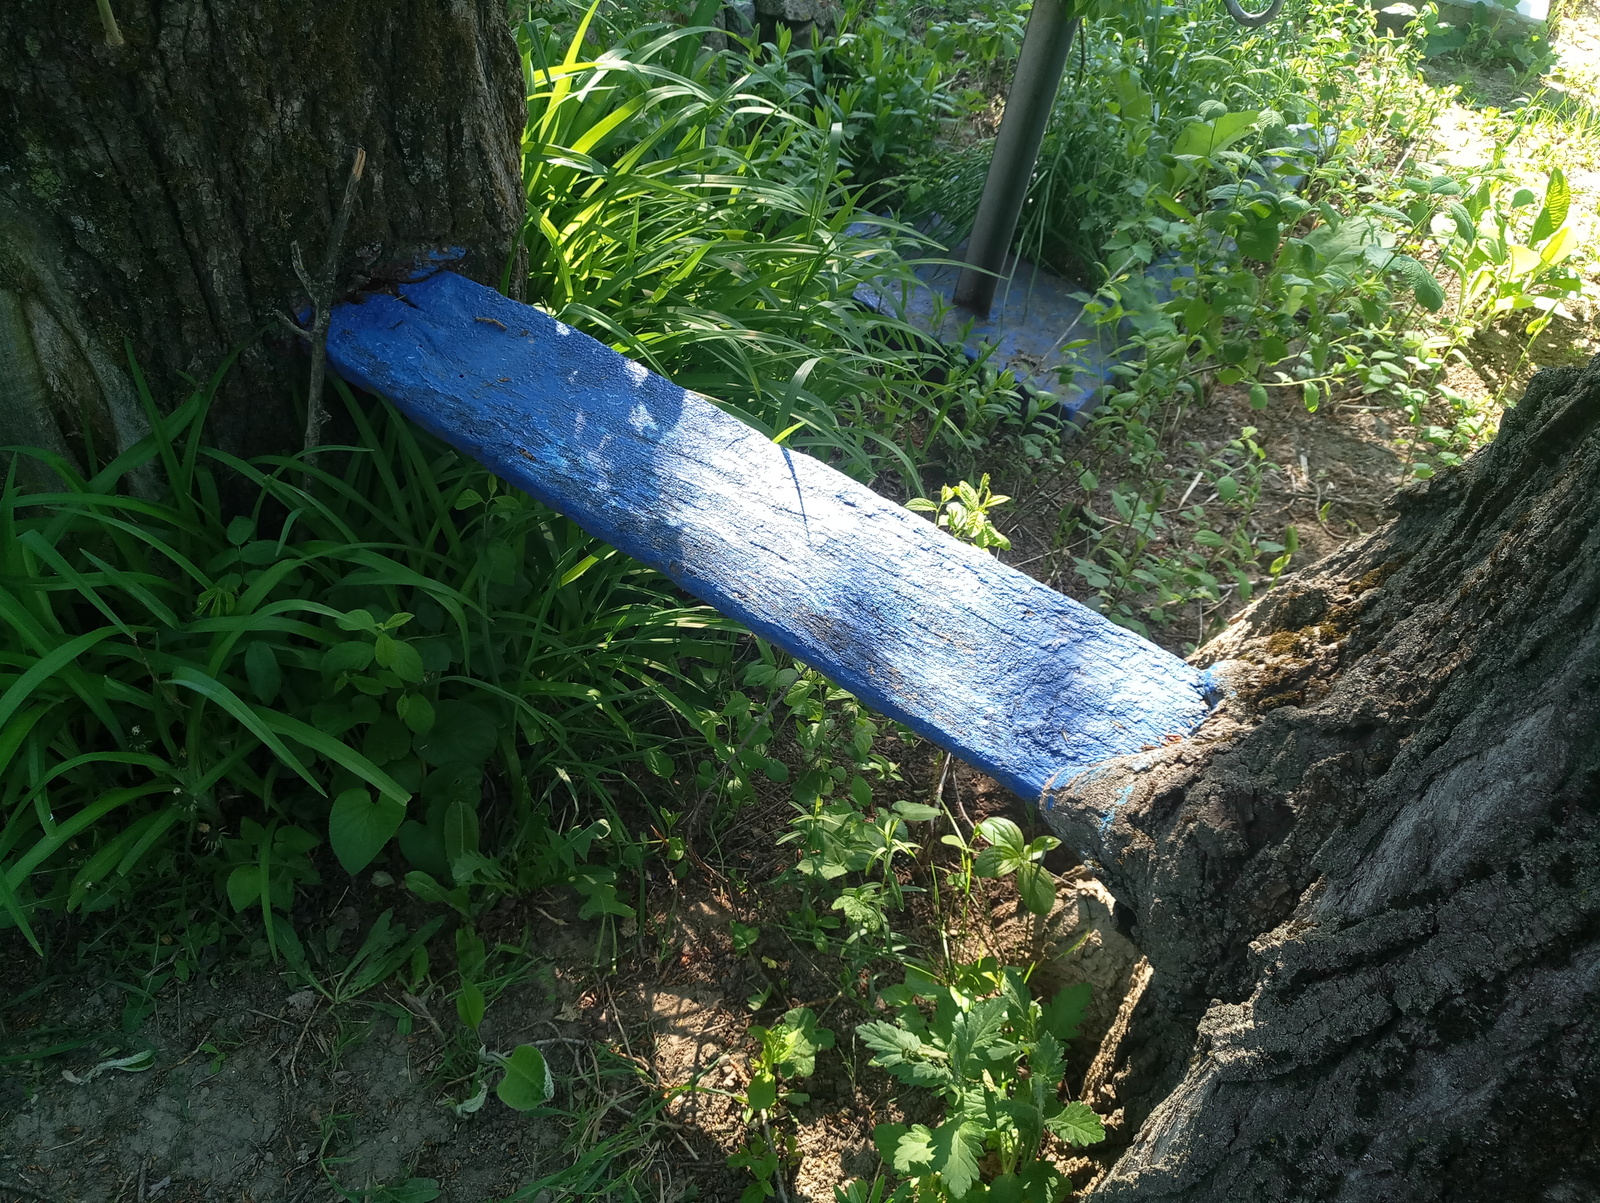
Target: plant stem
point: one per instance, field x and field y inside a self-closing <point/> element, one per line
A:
<point x="109" y="20"/>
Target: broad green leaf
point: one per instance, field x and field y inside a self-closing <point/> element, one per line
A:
<point x="957" y="1148"/>
<point x="416" y="712"/>
<point x="917" y="812"/>
<point x="914" y="1151"/>
<point x="426" y="888"/>
<point x="803" y="1040"/>
<point x="1037" y="887"/>
<point x="351" y="656"/>
<point x="995" y="861"/>
<point x="244" y="886"/>
<point x="528" y="1082"/>
<point x="1524" y="259"/>
<point x="1002" y="833"/>
<point x="406" y="663"/>
<point x="462" y="734"/>
<point x="1077" y="1125"/>
<point x="1206" y="138"/>
<point x="1046" y="1065"/>
<point x="262" y="671"/>
<point x="1553" y="215"/>
<point x="1064" y="1012"/>
<point x="359" y="827"/>
<point x="763" y="1092"/>
<point x="386" y="739"/>
<point x="903" y="1053"/>
<point x="886" y="1138"/>
<point x="1561" y="244"/>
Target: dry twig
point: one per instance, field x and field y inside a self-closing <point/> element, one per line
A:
<point x="321" y="293"/>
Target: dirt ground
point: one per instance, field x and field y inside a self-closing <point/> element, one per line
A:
<point x="248" y="1085"/>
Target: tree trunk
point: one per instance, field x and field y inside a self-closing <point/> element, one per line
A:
<point x="150" y="192"/>
<point x="1369" y="888"/>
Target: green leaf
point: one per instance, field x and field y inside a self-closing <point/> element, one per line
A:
<point x="599" y="891"/>
<point x="258" y="723"/>
<point x="412" y="1190"/>
<point x="763" y="1092"/>
<point x="359" y="827"/>
<point x="1037" y="887"/>
<point x="1258" y="396"/>
<point x="1553" y="215"/>
<point x="426" y="888"/>
<point x="1046" y="1066"/>
<point x="904" y="1054"/>
<point x="358" y="620"/>
<point x="406" y="663"/>
<point x="1428" y="291"/>
<point x="244" y="886"/>
<point x="917" y="812"/>
<point x="993" y="862"/>
<point x="659" y="763"/>
<point x="886" y="1137"/>
<point x="460" y="832"/>
<point x="1077" y="1125"/>
<point x="470" y="1006"/>
<point x="914" y="1151"/>
<point x="1206" y="138"/>
<point x="261" y="670"/>
<point x="1064" y="1012"/>
<point x="416" y="712"/>
<point x="462" y="734"/>
<point x="528" y="1082"/>
<point x="386" y="739"/>
<point x="240" y="530"/>
<point x="351" y="656"/>
<point x="1003" y="833"/>
<point x="956" y="1150"/>
<point x="342" y="755"/>
<point x="800" y="1041"/>
<point x="1258" y="238"/>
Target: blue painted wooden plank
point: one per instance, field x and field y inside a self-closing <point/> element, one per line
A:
<point x="1015" y="678"/>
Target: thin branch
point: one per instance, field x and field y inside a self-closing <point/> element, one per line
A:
<point x="322" y="294"/>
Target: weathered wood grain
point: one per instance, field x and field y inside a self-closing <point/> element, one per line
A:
<point x="1016" y="679"/>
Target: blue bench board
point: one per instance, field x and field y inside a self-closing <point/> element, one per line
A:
<point x="1017" y="679"/>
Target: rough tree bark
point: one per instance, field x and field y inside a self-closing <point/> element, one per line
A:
<point x="150" y="192"/>
<point x="1370" y="887"/>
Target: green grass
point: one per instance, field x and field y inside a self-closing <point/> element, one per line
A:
<point x="394" y="649"/>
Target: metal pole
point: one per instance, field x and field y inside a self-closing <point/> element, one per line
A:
<point x="1033" y="94"/>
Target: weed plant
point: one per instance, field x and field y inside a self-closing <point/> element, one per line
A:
<point x="393" y="654"/>
<point x="701" y="213"/>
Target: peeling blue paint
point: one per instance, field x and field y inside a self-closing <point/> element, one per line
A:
<point x="1018" y="680"/>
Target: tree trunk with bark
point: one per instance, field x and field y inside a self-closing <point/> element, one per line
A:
<point x="1369" y="888"/>
<point x="150" y="192"/>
